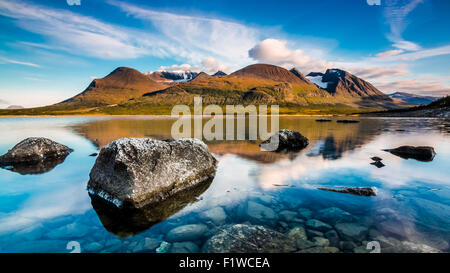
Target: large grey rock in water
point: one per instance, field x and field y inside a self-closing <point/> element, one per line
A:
<point x="243" y="238"/>
<point x="285" y="141"/>
<point x="34" y="155"/>
<point x="421" y="153"/>
<point x="135" y="172"/>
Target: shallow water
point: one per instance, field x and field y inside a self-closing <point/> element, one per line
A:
<point x="411" y="213"/>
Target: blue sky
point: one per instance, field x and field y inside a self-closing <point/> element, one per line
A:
<point x="50" y="50"/>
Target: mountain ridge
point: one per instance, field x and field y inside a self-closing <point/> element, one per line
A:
<point x="128" y="91"/>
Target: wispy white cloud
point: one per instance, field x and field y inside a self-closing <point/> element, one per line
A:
<point x="389" y="53"/>
<point x="276" y="52"/>
<point x="422" y="86"/>
<point x="11" y="61"/>
<point x="379" y="72"/>
<point x="196" y="38"/>
<point x="395" y="12"/>
<point x="77" y="34"/>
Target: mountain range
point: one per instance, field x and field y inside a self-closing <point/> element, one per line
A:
<point x="128" y="91"/>
<point x="413" y="98"/>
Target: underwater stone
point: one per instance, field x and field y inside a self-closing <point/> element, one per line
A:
<point x="317" y="225"/>
<point x="190" y="232"/>
<point x="242" y="238"/>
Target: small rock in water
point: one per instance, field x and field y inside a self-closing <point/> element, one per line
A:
<point x="190" y="232"/>
<point x="376" y="158"/>
<point x="93" y="154"/>
<point x="378" y="164"/>
<point x="323" y="120"/>
<point x="243" y="238"/>
<point x="285" y="141"/>
<point x="348" y="121"/>
<point x="34" y="155"/>
<point x="135" y="172"/>
<point x="421" y="153"/>
<point x="317" y="225"/>
<point x="314" y="233"/>
<point x="363" y="191"/>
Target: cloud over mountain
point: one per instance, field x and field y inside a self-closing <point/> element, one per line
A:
<point x="275" y="51"/>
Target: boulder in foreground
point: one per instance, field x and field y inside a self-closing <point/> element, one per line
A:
<point x="363" y="191"/>
<point x="285" y="141"/>
<point x="421" y="153"/>
<point x="35" y="155"/>
<point x="135" y="172"/>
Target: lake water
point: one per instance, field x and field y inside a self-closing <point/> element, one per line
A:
<point x="411" y="212"/>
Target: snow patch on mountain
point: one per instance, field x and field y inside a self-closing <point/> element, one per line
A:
<point x="318" y="81"/>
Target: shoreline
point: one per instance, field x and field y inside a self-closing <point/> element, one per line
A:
<point x="169" y="116"/>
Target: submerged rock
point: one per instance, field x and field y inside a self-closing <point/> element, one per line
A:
<point x="258" y="212"/>
<point x="323" y="120"/>
<point x="34" y="155"/>
<point x="243" y="238"/>
<point x="421" y="153"/>
<point x="363" y="191"/>
<point x="334" y="215"/>
<point x="297" y="233"/>
<point x="351" y="231"/>
<point x="317" y="225"/>
<point x="190" y="232"/>
<point x="136" y="172"/>
<point x="285" y="141"/>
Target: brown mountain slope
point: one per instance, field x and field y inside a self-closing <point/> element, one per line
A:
<point x="119" y="86"/>
<point x="343" y="83"/>
<point x="254" y="84"/>
<point x="269" y="72"/>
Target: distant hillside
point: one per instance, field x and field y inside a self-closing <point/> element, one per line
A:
<point x="15" y="107"/>
<point x="117" y="87"/>
<point x="413" y="98"/>
<point x="439" y="108"/>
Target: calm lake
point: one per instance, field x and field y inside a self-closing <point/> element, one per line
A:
<point x="411" y="212"/>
